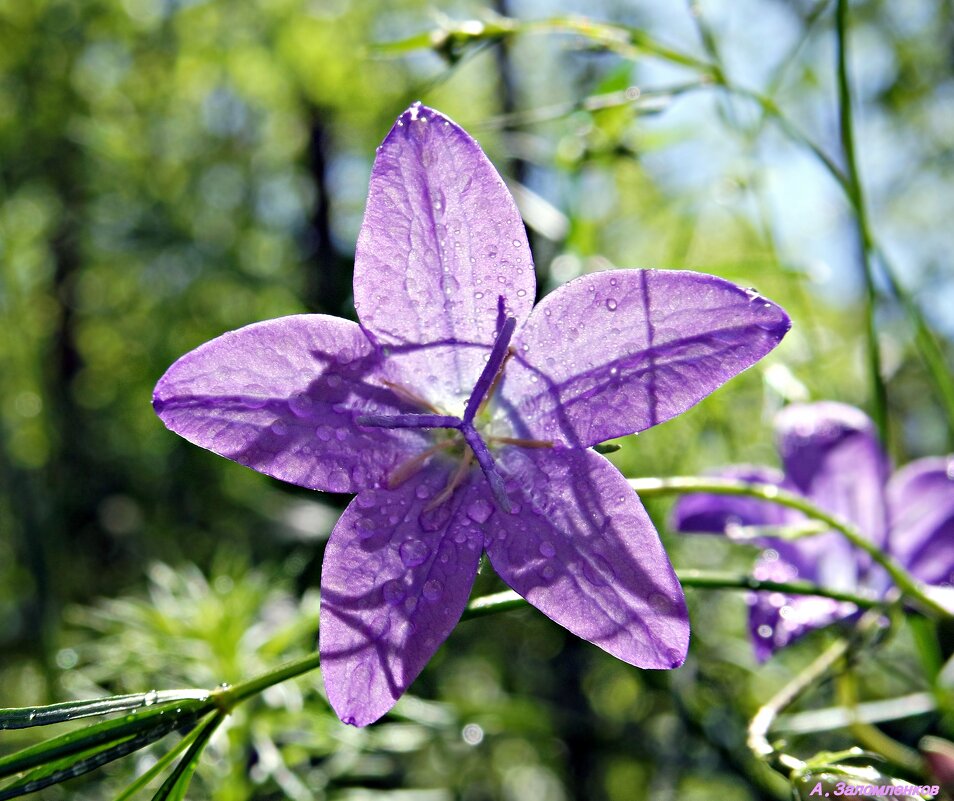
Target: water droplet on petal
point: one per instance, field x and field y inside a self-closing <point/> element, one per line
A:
<point x="255" y="396"/>
<point x="547" y="549"/>
<point x="478" y="295"/>
<point x="279" y="428"/>
<point x="394" y="592"/>
<point x="422" y="492"/>
<point x="765" y="631"/>
<point x="413" y="553"/>
<point x="480" y="510"/>
<point x="323" y="433"/>
<point x="659" y="602"/>
<point x="301" y="404"/>
<point x="433" y="590"/>
<point x="521" y="293"/>
<point x="597" y="571"/>
<point x="611" y="304"/>
<point x="364" y="527"/>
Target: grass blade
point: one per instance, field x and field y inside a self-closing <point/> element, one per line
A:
<point x="164" y="762"/>
<point x="27" y="717"/>
<point x="161" y="718"/>
<point x="174" y="787"/>
<point x="73" y="765"/>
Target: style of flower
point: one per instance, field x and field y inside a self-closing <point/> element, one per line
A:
<point x="831" y="455"/>
<point x="463" y="418"/>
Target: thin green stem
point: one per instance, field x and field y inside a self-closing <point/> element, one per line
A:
<point x="820" y="668"/>
<point x="871" y="737"/>
<point x="228" y="697"/>
<point x="862" y="226"/>
<point x="648" y="487"/>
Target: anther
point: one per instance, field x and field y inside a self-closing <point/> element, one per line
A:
<point x="409" y="467"/>
<point x="459" y="474"/>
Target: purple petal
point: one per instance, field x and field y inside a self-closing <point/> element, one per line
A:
<point x="442" y="257"/>
<point x="579" y="546"/>
<point x="395" y="580"/>
<point x="702" y="512"/>
<point x="832" y="455"/>
<point x="619" y="351"/>
<point x="775" y="619"/>
<point x="280" y="397"/>
<point x="921" y="504"/>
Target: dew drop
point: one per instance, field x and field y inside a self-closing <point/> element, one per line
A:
<point x="521" y="293"/>
<point x="659" y="602"/>
<point x="301" y="404"/>
<point x="765" y="631"/>
<point x="547" y="549"/>
<point x="150" y="698"/>
<point x="394" y="592"/>
<point x="256" y="396"/>
<point x="611" y="304"/>
<point x="323" y="433"/>
<point x="433" y="590"/>
<point x="341" y="435"/>
<point x="478" y="295"/>
<point x="279" y="428"/>
<point x="410" y="603"/>
<point x="479" y="511"/>
<point x="413" y="553"/>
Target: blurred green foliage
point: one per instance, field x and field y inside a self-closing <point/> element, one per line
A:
<point x="170" y="170"/>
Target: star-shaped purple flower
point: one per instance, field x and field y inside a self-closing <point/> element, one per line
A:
<point x="463" y="417"/>
<point x="831" y="455"/>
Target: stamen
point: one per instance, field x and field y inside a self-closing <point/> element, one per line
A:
<point x="410" y="395"/>
<point x="407" y="421"/>
<point x="453" y="483"/>
<point x="493" y="386"/>
<point x="495" y="363"/>
<point x="523" y="443"/>
<point x="409" y="467"/>
<point x="486" y="462"/>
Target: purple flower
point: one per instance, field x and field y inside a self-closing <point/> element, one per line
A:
<point x="463" y="418"/>
<point x="832" y="456"/>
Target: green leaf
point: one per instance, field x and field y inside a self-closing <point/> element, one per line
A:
<point x="174" y="788"/>
<point x="26" y="717"/>
<point x="607" y="447"/>
<point x="155" y="720"/>
<point x="77" y="764"/>
<point x="164" y="762"/>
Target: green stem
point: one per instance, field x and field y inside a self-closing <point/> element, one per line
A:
<point x="863" y="228"/>
<point x="228" y="697"/>
<point x="648" y="487"/>
<point x="871" y="737"/>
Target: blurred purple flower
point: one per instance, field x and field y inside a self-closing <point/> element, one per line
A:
<point x="464" y="420"/>
<point x="832" y="456"/>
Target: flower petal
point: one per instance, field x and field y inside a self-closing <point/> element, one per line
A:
<point x="579" y="546"/>
<point x="442" y="257"/>
<point x="921" y="503"/>
<point x="832" y="455"/>
<point x="394" y="582"/>
<point x="280" y="397"/>
<point x="619" y="351"/>
<point x="702" y="512"/>
<point x="775" y="619"/>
